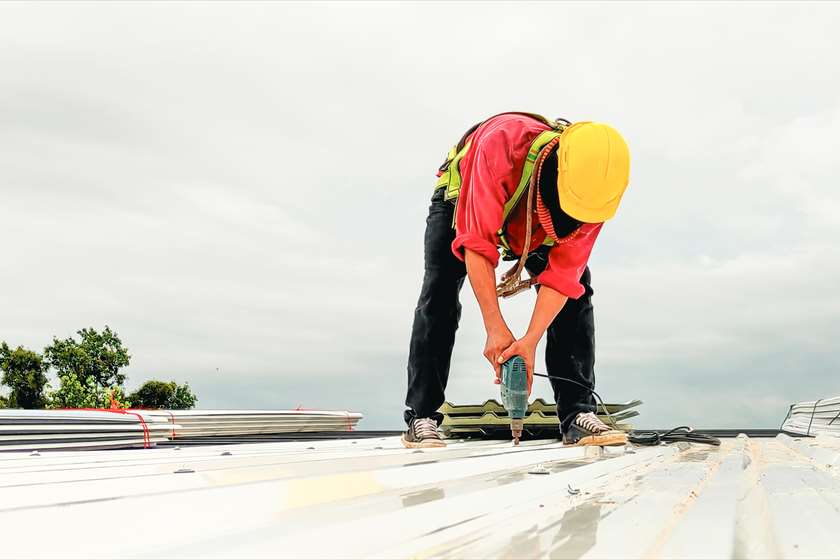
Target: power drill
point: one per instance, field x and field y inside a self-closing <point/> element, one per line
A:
<point x="514" y="389"/>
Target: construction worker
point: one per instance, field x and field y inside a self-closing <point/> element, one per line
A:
<point x="539" y="190"/>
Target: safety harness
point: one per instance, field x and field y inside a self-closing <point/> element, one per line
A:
<point x="450" y="179"/>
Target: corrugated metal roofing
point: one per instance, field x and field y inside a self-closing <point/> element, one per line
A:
<point x="750" y="498"/>
<point x="491" y="418"/>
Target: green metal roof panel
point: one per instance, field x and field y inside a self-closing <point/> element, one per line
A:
<point x="538" y="405"/>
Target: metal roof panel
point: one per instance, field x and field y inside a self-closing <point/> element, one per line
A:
<point x="767" y="497"/>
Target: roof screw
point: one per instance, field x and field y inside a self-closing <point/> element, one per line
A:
<point x="226" y="453"/>
<point x="310" y="448"/>
<point x="184" y="471"/>
<point x="539" y="469"/>
<point x="379" y="447"/>
<point x="176" y="448"/>
<point x="35" y="453"/>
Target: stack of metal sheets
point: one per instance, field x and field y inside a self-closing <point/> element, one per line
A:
<point x="820" y="417"/>
<point x="30" y="430"/>
<point x="491" y="419"/>
<point x="206" y="423"/>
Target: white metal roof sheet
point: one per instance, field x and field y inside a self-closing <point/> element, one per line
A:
<point x="750" y="498"/>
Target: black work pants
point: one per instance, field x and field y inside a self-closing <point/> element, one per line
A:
<point x="570" y="345"/>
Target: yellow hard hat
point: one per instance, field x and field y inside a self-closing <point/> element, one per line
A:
<point x="593" y="169"/>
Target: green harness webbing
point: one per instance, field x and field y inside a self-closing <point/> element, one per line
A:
<point x="450" y="174"/>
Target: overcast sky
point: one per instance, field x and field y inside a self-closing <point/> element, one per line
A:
<point x="239" y="190"/>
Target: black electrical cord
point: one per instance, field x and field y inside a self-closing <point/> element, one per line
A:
<point x="590" y="389"/>
<point x="782" y="425"/>
<point x="680" y="433"/>
<point x="811" y="420"/>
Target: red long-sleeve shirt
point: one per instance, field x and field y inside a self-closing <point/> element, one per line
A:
<point x="490" y="173"/>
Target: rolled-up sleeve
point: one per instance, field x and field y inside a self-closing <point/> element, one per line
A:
<point x="484" y="191"/>
<point x="567" y="261"/>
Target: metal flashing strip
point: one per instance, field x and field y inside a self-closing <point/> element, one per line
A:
<point x="196" y="423"/>
<point x="222" y="439"/>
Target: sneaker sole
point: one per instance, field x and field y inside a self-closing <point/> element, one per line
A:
<point x="601" y="441"/>
<point x="428" y="444"/>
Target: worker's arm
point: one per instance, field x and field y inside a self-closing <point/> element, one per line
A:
<point x="483" y="281"/>
<point x="549" y="303"/>
<point x="566" y="265"/>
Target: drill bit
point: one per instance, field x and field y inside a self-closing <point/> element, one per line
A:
<point x="516" y="426"/>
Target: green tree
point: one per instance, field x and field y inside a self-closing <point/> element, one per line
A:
<point x="160" y="394"/>
<point x="97" y="355"/>
<point x="24" y="373"/>
<point x="184" y="398"/>
<point x="4" y="402"/>
<point x="74" y="393"/>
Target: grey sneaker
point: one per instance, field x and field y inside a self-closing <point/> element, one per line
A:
<point x="422" y="432"/>
<point x="587" y="429"/>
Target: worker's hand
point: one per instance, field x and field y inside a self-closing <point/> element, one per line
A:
<point x="525" y="347"/>
<point x="498" y="338"/>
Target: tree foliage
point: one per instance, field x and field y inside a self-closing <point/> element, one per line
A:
<point x="24" y="373"/>
<point x="73" y="393"/>
<point x="96" y="355"/>
<point x="160" y="394"/>
<point x="88" y="371"/>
